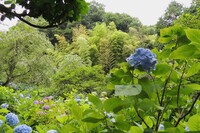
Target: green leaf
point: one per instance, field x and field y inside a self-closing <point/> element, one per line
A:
<point x="183" y="52"/>
<point x="95" y="100"/>
<point x="92" y="120"/>
<point x="113" y="104"/>
<point x="127" y="90"/>
<point x="8" y="2"/>
<point x="62" y="119"/>
<point x="3" y="110"/>
<point x="193" y="123"/>
<point x="193" y="35"/>
<point x="162" y="69"/>
<point x="187" y="89"/>
<point x="135" y="129"/>
<point x="195" y="68"/>
<point x="146" y="104"/>
<point x="123" y="125"/>
<point x="68" y="128"/>
<point x="148" y="121"/>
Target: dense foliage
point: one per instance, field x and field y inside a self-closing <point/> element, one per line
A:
<point x="107" y="77"/>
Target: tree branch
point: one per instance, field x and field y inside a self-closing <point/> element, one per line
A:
<point x="4" y="9"/>
<point x="189" y="111"/>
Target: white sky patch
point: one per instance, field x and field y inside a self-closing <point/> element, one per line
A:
<point x="148" y="11"/>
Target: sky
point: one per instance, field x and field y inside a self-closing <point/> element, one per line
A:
<point x="147" y="11"/>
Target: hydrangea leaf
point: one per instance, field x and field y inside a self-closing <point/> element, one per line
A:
<point x="127" y="90"/>
<point x="69" y="128"/>
<point x="113" y="104"/>
<point x="95" y="100"/>
<point x="195" y="68"/>
<point x="193" y="35"/>
<point x="162" y="69"/>
<point x="184" y="52"/>
<point x="193" y="123"/>
<point x="136" y="129"/>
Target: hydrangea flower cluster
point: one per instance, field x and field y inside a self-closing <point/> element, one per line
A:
<point x="12" y="119"/>
<point x="23" y="129"/>
<point x="52" y="131"/>
<point x="142" y="58"/>
<point x="4" y="105"/>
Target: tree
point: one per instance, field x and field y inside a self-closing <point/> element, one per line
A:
<point x="55" y="12"/>
<point x="173" y="11"/>
<point x="191" y="16"/>
<point x="122" y="21"/>
<point x="24" y="56"/>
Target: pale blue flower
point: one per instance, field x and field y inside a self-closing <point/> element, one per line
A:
<point x="52" y="131"/>
<point x="12" y="119"/>
<point x="46" y="107"/>
<point x="161" y="127"/>
<point x="187" y="129"/>
<point x="142" y="58"/>
<point x="23" y="129"/>
<point x="1" y="122"/>
<point x="4" y="105"/>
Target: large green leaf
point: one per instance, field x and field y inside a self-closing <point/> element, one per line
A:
<point x="136" y="129"/>
<point x="195" y="68"/>
<point x="184" y="52"/>
<point x="95" y="100"/>
<point x="69" y="128"/>
<point x="193" y="123"/>
<point x="148" y="121"/>
<point x="162" y="69"/>
<point x="127" y="90"/>
<point x="114" y="104"/>
<point x="193" y="35"/>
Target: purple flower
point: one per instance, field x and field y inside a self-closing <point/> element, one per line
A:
<point x="46" y="107"/>
<point x="12" y="119"/>
<point x="23" y="129"/>
<point x="142" y="58"/>
<point x="4" y="105"/>
<point x="36" y="102"/>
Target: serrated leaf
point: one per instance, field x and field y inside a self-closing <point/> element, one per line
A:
<point x="193" y="123"/>
<point x="183" y="52"/>
<point x="127" y="90"/>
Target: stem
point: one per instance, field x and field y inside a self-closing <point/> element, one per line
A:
<point x="155" y="88"/>
<point x="141" y="118"/>
<point x="165" y="85"/>
<point x="189" y="111"/>
<point x="133" y="76"/>
<point x="179" y="85"/>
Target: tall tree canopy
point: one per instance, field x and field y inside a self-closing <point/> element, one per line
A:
<point x="173" y="11"/>
<point x="55" y="12"/>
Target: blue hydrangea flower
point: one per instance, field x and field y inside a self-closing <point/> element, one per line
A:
<point x="187" y="129"/>
<point x="23" y="129"/>
<point x="142" y="58"/>
<point x="161" y="127"/>
<point x="4" y="105"/>
<point x="12" y="119"/>
<point x="52" y="131"/>
<point x="1" y="122"/>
